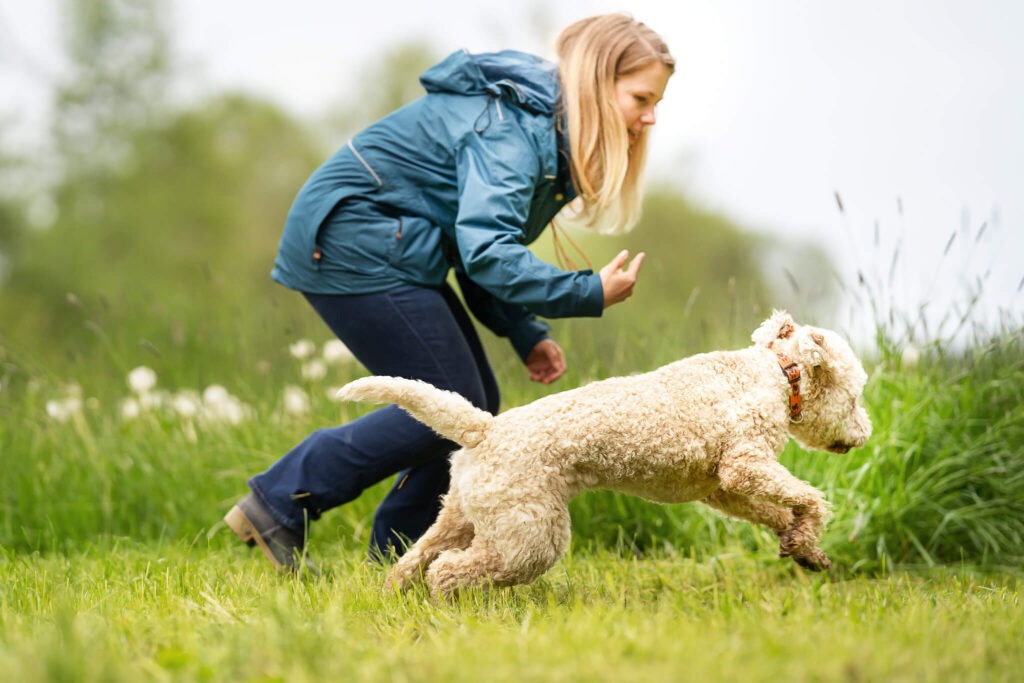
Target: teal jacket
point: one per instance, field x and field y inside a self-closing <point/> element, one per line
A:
<point x="462" y="178"/>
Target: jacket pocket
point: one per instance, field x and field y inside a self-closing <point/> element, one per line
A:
<point x="357" y="238"/>
<point x="345" y="178"/>
<point x="417" y="256"/>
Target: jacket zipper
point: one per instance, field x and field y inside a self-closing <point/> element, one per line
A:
<point x="367" y="166"/>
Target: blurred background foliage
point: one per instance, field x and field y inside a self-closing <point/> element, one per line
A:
<point x="146" y="225"/>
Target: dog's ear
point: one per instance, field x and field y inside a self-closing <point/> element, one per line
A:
<point x="813" y="350"/>
<point x="779" y="326"/>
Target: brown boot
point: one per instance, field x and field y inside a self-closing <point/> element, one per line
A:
<point x="282" y="546"/>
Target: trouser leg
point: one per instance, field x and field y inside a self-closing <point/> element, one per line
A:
<point x="414" y="501"/>
<point x="410" y="507"/>
<point x="417" y="333"/>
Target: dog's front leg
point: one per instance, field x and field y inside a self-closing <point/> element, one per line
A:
<point x="765" y="479"/>
<point x="777" y="518"/>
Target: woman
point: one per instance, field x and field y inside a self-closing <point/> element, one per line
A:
<point x="463" y="178"/>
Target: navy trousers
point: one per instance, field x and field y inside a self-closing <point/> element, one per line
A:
<point x="415" y="332"/>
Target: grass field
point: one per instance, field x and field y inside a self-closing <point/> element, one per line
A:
<point x="124" y="612"/>
<point x="115" y="568"/>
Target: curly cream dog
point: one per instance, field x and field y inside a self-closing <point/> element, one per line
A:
<point x="708" y="428"/>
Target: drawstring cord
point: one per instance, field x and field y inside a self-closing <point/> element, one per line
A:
<point x="562" y="257"/>
<point x="487" y="110"/>
<point x="491" y="98"/>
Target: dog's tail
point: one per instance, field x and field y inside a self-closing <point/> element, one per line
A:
<point x="446" y="412"/>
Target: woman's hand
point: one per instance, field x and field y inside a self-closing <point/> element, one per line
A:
<point x="618" y="283"/>
<point x="546" y="361"/>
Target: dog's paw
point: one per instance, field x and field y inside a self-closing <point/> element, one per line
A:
<point x="396" y="582"/>
<point x="800" y="539"/>
<point x="790" y="542"/>
<point x="815" y="560"/>
<point x="803" y="548"/>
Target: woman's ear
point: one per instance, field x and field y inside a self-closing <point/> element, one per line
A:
<point x="779" y="326"/>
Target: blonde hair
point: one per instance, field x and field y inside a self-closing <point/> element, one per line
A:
<point x="592" y="54"/>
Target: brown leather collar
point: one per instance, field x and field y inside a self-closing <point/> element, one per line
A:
<point x="792" y="372"/>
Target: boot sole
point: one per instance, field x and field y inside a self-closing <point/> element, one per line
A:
<point x="239" y="523"/>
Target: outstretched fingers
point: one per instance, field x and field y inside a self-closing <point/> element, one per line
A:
<point x="618" y="278"/>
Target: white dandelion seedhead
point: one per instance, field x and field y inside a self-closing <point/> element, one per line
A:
<point x="219" y="406"/>
<point x="130" y="409"/>
<point x="314" y="370"/>
<point x="55" y="411"/>
<point x="212" y="407"/>
<point x="335" y="352"/>
<point x="215" y="394"/>
<point x="302" y="349"/>
<point x="911" y="356"/>
<point x="186" y="404"/>
<point x="63" y="410"/>
<point x="296" y="401"/>
<point x="67" y="406"/>
<point x="233" y="413"/>
<point x="152" y="400"/>
<point x="142" y="379"/>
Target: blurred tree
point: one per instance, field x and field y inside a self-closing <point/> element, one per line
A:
<point x="117" y="84"/>
<point x="390" y="81"/>
<point x="13" y="205"/>
<point x="198" y="210"/>
<point x="162" y="214"/>
<point x="112" y="91"/>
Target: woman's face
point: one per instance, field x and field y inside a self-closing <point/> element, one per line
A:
<point x="638" y="93"/>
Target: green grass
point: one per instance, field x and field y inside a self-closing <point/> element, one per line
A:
<point x="114" y="566"/>
<point x="174" y="611"/>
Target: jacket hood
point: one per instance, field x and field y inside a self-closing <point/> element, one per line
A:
<point x="528" y="80"/>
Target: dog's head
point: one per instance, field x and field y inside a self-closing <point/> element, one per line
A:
<point x="832" y="381"/>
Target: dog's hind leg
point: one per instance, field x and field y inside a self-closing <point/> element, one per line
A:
<point x="460" y="568"/>
<point x="514" y="544"/>
<point x="452" y="530"/>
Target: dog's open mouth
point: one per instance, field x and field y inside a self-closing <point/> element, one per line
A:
<point x="839" y="447"/>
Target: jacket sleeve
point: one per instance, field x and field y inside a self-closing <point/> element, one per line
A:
<point x="498" y="171"/>
<point x="516" y="322"/>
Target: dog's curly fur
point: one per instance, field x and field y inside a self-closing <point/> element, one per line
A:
<point x="708" y="428"/>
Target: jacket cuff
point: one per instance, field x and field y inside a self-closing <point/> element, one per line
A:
<point x="526" y="335"/>
<point x="594" y="301"/>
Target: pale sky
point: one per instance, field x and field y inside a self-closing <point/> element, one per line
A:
<point x="775" y="106"/>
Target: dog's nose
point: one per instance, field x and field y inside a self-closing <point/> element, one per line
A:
<point x="839" y="447"/>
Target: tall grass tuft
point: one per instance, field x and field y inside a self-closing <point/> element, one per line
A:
<point x="943" y="479"/>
